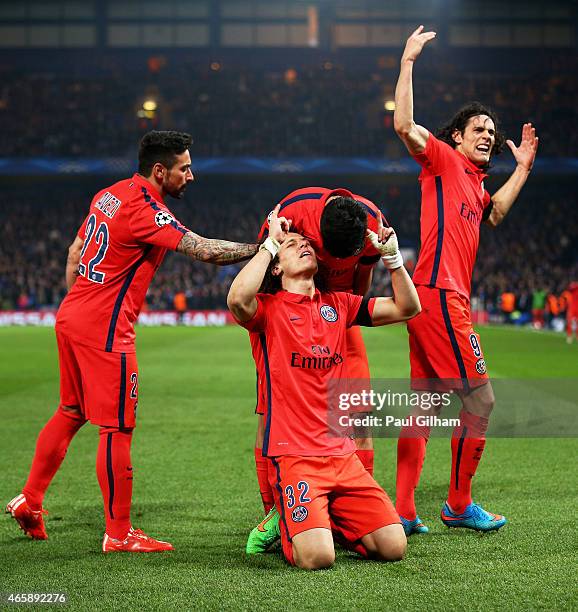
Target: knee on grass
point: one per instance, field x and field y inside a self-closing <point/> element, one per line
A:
<point x="386" y="544"/>
<point x="315" y="559"/>
<point x="313" y="549"/>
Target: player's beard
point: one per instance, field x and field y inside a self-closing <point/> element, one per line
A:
<point x="174" y="192"/>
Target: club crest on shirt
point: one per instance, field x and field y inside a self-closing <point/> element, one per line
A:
<point x="299" y="514"/>
<point x="163" y="218"/>
<point x="480" y="366"/>
<point x="328" y="313"/>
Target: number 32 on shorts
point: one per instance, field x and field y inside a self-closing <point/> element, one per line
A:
<point x="299" y="513"/>
<point x="303" y="487"/>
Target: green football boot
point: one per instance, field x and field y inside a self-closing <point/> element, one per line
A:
<point x="265" y="534"/>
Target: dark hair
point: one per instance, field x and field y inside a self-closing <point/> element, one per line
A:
<point x="343" y="227"/>
<point x="460" y="120"/>
<point x="161" y="147"/>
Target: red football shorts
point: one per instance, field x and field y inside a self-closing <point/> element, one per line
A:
<point x="104" y="385"/>
<point x="443" y="343"/>
<point x="356" y="371"/>
<point x="310" y="490"/>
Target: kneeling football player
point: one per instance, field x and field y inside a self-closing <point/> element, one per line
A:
<point x="319" y="482"/>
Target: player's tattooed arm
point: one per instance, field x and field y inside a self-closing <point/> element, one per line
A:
<point x="210" y="250"/>
<point x="72" y="261"/>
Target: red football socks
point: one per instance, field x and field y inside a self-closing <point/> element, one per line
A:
<point x="51" y="447"/>
<point x="410" y="457"/>
<point x="366" y="457"/>
<point x="262" y="465"/>
<point x="114" y="472"/>
<point x="468" y="442"/>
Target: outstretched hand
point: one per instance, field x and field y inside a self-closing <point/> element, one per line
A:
<point x="415" y="43"/>
<point x="278" y="226"/>
<point x="525" y="154"/>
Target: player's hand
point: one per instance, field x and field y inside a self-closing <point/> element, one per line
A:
<point x="525" y="154"/>
<point x="415" y="43"/>
<point x="386" y="244"/>
<point x="383" y="233"/>
<point x="278" y="226"/>
<point x="388" y="249"/>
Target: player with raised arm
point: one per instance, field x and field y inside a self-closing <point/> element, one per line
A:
<point x="442" y="341"/>
<point x="319" y="482"/>
<point x="335" y="222"/>
<point x="118" y="248"/>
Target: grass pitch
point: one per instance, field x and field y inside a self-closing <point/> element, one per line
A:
<point x="195" y="486"/>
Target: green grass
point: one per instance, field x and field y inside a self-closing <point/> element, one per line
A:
<point x="195" y="485"/>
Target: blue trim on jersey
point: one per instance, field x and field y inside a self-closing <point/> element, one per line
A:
<point x="368" y="209"/>
<point x="440" y="240"/>
<point x="110" y="474"/>
<point x="122" y="393"/>
<point x="178" y="227"/>
<point x="459" y="454"/>
<point x="280" y="490"/>
<point x="121" y="295"/>
<point x="256" y="390"/>
<point x="303" y="196"/>
<point x="149" y="200"/>
<point x="453" y="339"/>
<point x="263" y="341"/>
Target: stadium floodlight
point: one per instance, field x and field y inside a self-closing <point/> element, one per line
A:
<point x="149" y="105"/>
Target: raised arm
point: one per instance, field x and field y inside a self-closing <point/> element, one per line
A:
<point x="405" y="302"/>
<point x="414" y="136"/>
<point x="242" y="297"/>
<point x="524" y="155"/>
<point x="210" y="250"/>
<point x="72" y="261"/>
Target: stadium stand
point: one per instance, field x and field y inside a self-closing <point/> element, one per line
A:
<point x="534" y="249"/>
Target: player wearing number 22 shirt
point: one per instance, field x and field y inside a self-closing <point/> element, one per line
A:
<point x="120" y="245"/>
<point x="321" y="488"/>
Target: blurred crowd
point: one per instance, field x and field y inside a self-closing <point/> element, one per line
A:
<point x="324" y="109"/>
<point x="523" y="267"/>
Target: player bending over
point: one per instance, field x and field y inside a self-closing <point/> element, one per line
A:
<point x="310" y="468"/>
<point x="335" y="222"/>
<point x="442" y="341"/>
<point x="111" y="263"/>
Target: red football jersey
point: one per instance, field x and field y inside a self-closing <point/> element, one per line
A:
<point x="573" y="305"/>
<point x="304" y="347"/>
<point x="453" y="205"/>
<point x="126" y="234"/>
<point x="304" y="208"/>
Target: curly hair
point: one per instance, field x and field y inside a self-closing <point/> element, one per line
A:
<point x="460" y="120"/>
<point x="161" y="147"/>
